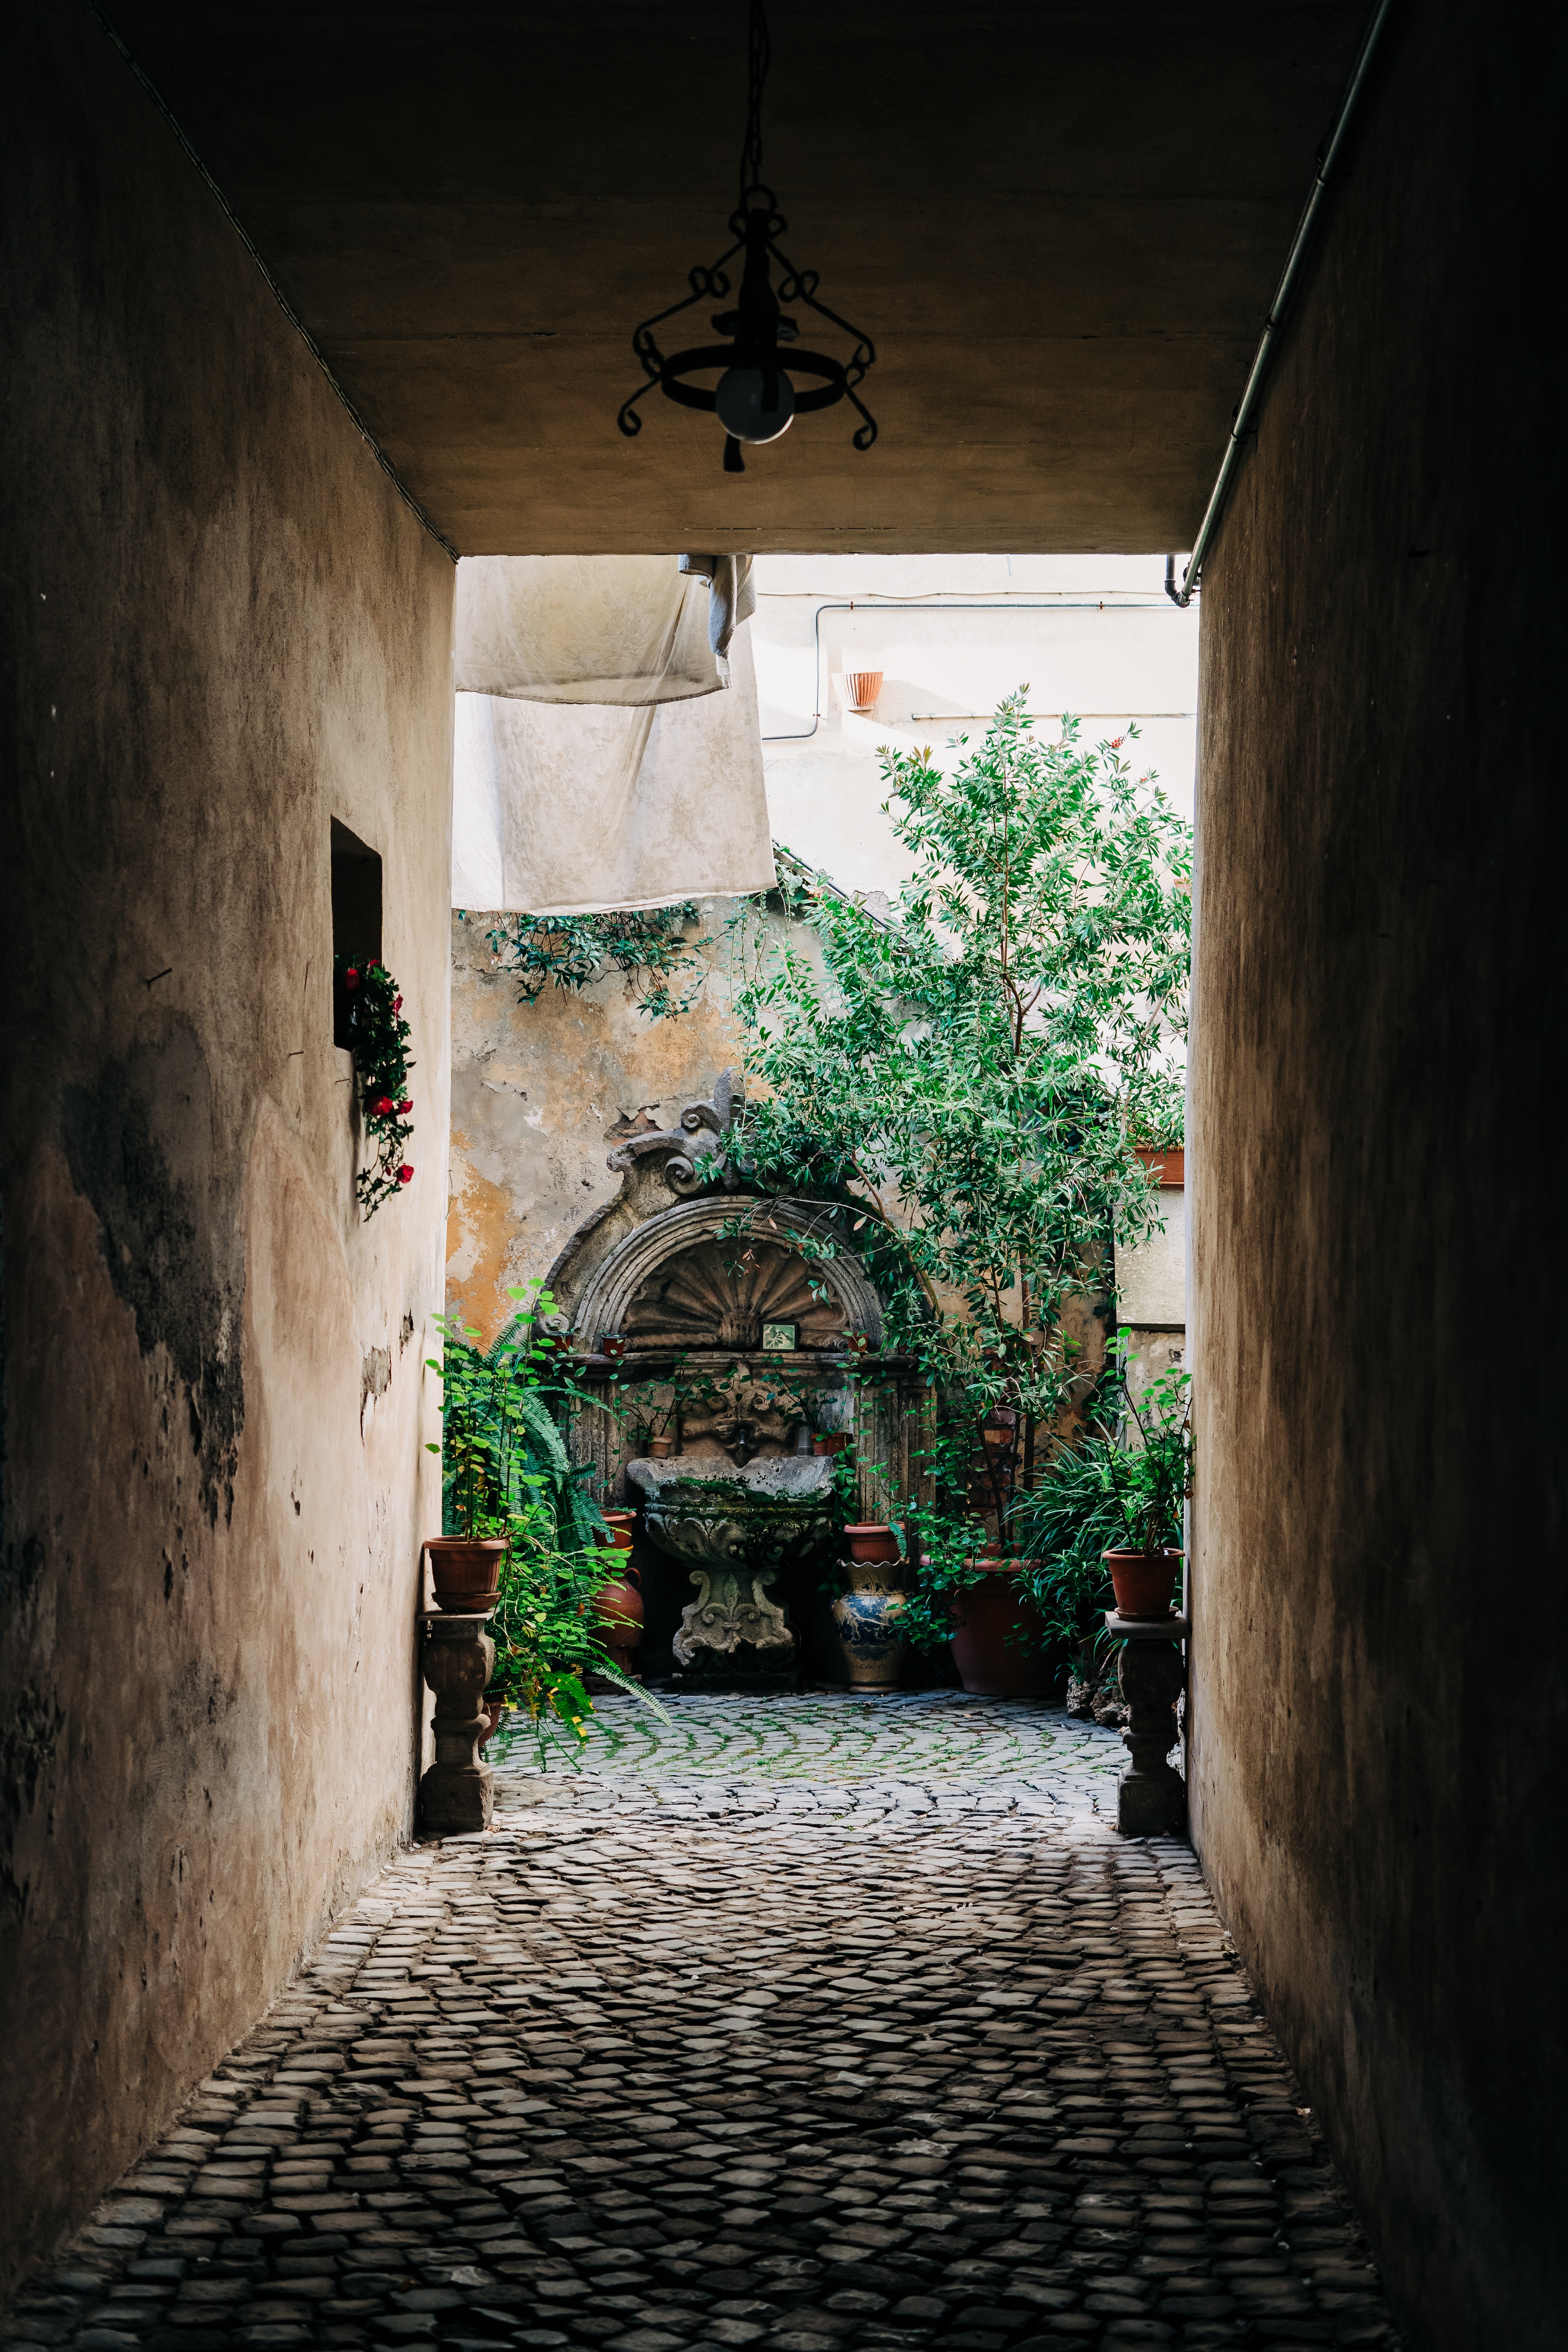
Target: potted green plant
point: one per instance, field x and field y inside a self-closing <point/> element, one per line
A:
<point x="649" y="1410"/>
<point x="509" y="1488"/>
<point x="1107" y="1512"/>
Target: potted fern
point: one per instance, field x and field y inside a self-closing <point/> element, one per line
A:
<point x="1107" y="1509"/>
<point x="515" y="1504"/>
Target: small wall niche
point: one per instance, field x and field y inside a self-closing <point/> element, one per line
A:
<point x="356" y="916"/>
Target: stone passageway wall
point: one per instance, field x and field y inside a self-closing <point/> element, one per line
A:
<point x="224" y="629"/>
<point x="1376" y="1765"/>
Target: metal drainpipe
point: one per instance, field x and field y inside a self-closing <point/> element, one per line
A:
<point x="982" y="605"/>
<point x="1306" y="226"/>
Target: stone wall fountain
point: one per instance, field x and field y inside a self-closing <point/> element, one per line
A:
<point x="745" y="1337"/>
<point x="737" y="1528"/>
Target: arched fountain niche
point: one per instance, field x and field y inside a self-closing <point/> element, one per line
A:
<point x="698" y="1295"/>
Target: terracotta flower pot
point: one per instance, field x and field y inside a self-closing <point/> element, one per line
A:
<point x="464" y="1574"/>
<point x="868" y="1617"/>
<point x="617" y="1607"/>
<point x="861" y="688"/>
<point x="998" y="1637"/>
<point x="1143" y="1582"/>
<point x="612" y="1346"/>
<point x="858" y="1342"/>
<point x="834" y="1442"/>
<point x="659" y="1449"/>
<point x="870" y="1542"/>
<point x="622" y="1527"/>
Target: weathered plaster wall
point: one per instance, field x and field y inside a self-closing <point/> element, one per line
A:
<point x="1377" y="1762"/>
<point x="541" y="1093"/>
<point x="222" y="629"/>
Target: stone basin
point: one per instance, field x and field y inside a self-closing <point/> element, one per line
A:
<point x="769" y="1513"/>
<point x="736" y="1529"/>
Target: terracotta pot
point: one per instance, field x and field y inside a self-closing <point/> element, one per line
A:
<point x="612" y="1345"/>
<point x="870" y="1543"/>
<point x="861" y="688"/>
<point x="833" y="1442"/>
<point x="868" y="1617"/>
<point x="464" y="1574"/>
<point x="622" y="1527"/>
<point x="493" y="1708"/>
<point x="1143" y="1582"/>
<point x="998" y="1639"/>
<point x="659" y="1449"/>
<point x="858" y="1342"/>
<point x="617" y="1607"/>
<point x="1164" y="1163"/>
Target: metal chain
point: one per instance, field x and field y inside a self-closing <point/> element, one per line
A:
<point x="759" y="58"/>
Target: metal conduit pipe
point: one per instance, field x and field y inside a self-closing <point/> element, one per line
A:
<point x="979" y="604"/>
<point x="1328" y="155"/>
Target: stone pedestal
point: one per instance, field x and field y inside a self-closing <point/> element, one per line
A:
<point x="457" y="1793"/>
<point x="1152" y="1796"/>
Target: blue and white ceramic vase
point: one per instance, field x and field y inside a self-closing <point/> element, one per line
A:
<point x="867" y="1616"/>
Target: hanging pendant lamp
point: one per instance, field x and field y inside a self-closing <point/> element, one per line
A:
<point x="756" y="398"/>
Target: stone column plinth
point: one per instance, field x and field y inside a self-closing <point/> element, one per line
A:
<point x="1152" y="1796"/>
<point x="458" y="1792"/>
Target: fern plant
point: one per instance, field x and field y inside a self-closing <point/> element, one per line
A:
<point x="506" y="1473"/>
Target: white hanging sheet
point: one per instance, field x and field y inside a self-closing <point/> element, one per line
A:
<point x="626" y="629"/>
<point x="571" y="811"/>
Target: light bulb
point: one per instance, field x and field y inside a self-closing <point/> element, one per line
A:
<point x="740" y="400"/>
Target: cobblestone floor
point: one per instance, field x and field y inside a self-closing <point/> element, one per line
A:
<point x="805" y="2024"/>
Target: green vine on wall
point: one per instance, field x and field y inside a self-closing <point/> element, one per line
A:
<point x="378" y="1038"/>
<point x="572" y="951"/>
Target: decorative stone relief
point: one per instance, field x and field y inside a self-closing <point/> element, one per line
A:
<point x="719" y="1294"/>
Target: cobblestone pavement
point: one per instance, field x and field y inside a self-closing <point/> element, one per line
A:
<point x="802" y="2024"/>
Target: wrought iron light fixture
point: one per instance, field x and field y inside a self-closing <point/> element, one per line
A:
<point x="755" y="400"/>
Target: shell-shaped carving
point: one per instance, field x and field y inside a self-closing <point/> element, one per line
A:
<point x="720" y="1293"/>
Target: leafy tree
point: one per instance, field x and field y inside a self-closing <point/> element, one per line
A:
<point x="971" y="1079"/>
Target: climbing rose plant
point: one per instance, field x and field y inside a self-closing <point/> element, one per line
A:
<point x="379" y="1042"/>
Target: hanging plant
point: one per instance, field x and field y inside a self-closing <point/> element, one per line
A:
<point x="378" y="1039"/>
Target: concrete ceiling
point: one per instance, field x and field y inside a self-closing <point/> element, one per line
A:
<point x="1060" y="224"/>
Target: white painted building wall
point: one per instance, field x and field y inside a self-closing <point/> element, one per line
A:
<point x="1095" y="635"/>
<point x="1091" y="634"/>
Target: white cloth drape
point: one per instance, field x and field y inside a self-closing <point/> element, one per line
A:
<point x="608" y="750"/>
<point x="626" y="629"/>
<point x="571" y="811"/>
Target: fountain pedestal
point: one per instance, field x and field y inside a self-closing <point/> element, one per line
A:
<point x="736" y="1528"/>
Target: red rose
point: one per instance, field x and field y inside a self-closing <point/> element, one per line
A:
<point x="405" y="1174"/>
<point x="383" y="1107"/>
<point x="405" y="1107"/>
<point x="397" y="1003"/>
<point x="350" y="978"/>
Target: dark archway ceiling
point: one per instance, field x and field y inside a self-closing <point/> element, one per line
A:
<point x="1061" y="225"/>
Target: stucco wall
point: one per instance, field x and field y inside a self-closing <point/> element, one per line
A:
<point x="222" y="629"/>
<point x="1376" y="1767"/>
<point x="542" y="1092"/>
